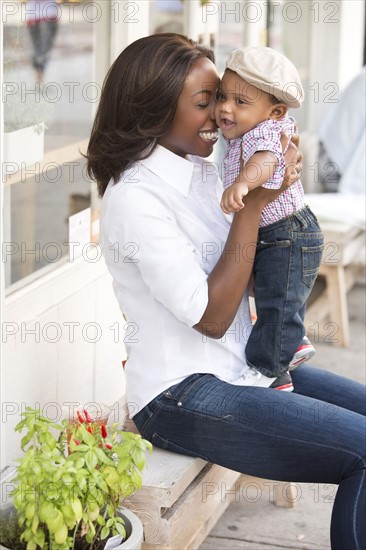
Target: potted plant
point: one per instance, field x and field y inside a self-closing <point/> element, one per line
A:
<point x="69" y="485"/>
<point x="25" y="116"/>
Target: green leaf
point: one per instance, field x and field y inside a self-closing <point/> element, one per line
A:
<point x="104" y="533"/>
<point x="36" y="468"/>
<point x="136" y="479"/>
<point x="77" y="509"/>
<point x="55" y="521"/>
<point x="93" y="513"/>
<point x="45" y="511"/>
<point x="50" y="440"/>
<point x="123" y="464"/>
<point x="57" y="475"/>
<point x="29" y="422"/>
<point x="91" y="460"/>
<point x="111" y="476"/>
<point x="67" y="478"/>
<point x="91" y="527"/>
<point x="61" y="534"/>
<point x="25" y="440"/>
<point x="40" y="537"/>
<point x="68" y="512"/>
<point x="139" y="459"/>
<point x="89" y="537"/>
<point x="88" y="438"/>
<point x="35" y="523"/>
<point x="102" y="456"/>
<point x="81" y="481"/>
<point x="79" y="463"/>
<point x="31" y="545"/>
<point x="100" y="520"/>
<point x="120" y="529"/>
<point x="30" y="510"/>
<point x="102" y="484"/>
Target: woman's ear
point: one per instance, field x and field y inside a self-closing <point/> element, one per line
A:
<point x="278" y="111"/>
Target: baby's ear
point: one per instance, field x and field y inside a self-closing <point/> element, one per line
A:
<point x="278" y="111"/>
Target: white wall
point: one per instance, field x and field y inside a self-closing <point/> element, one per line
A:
<point x="44" y="364"/>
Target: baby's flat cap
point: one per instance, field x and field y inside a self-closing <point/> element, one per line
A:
<point x="269" y="71"/>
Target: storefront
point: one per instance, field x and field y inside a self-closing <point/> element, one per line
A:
<point x="62" y="332"/>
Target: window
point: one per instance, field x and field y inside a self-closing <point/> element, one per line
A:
<point x="49" y="82"/>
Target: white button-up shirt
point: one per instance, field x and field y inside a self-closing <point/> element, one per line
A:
<point x="162" y="232"/>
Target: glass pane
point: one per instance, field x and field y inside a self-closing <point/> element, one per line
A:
<point x="48" y="82"/>
<point x="38" y="226"/>
<point x="166" y="16"/>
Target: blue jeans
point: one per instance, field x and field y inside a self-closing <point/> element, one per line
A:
<point x="317" y="434"/>
<point x="286" y="265"/>
<point x="43" y="36"/>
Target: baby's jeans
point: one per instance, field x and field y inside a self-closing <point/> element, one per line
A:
<point x="286" y="265"/>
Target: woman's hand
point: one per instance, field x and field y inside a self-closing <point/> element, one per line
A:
<point x="293" y="160"/>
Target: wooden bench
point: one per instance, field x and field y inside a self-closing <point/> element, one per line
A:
<point x="182" y="498"/>
<point x="327" y="317"/>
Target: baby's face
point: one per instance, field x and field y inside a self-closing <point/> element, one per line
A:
<point x="240" y="106"/>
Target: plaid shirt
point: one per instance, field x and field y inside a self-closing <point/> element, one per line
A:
<point x="266" y="137"/>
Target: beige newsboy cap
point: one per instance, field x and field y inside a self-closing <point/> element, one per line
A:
<point x="269" y="71"/>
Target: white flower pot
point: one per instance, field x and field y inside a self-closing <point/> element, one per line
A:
<point x="134" y="531"/>
<point x="25" y="145"/>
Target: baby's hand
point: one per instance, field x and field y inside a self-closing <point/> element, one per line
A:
<point x="232" y="198"/>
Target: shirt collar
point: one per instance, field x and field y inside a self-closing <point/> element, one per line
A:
<point x="173" y="169"/>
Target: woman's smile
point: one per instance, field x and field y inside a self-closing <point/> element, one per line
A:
<point x="209" y="136"/>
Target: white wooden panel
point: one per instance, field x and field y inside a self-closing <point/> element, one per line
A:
<point x="76" y="351"/>
<point x="110" y="350"/>
<point x="29" y="375"/>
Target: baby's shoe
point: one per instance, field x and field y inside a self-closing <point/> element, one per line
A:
<point x="304" y="352"/>
<point x="283" y="382"/>
<point x="255" y="378"/>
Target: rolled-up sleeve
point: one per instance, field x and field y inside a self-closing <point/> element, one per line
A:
<point x="163" y="255"/>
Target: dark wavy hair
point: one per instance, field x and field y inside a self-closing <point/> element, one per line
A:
<point x="138" y="102"/>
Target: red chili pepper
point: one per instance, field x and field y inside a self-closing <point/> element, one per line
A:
<point x="77" y="442"/>
<point x="108" y="445"/>
<point x="88" y="418"/>
<point x="104" y="431"/>
<point x="90" y="430"/>
<point x="80" y="417"/>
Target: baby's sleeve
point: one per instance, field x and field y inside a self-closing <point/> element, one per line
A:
<point x="266" y="137"/>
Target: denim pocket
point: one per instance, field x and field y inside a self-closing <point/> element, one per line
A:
<point x="261" y="245"/>
<point x="179" y="393"/>
<point x="311" y="260"/>
<point x="162" y="443"/>
<point x="149" y="413"/>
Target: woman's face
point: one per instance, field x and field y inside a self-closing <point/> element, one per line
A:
<point x="194" y="130"/>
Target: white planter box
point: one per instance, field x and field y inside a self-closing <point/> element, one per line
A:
<point x="25" y="145"/>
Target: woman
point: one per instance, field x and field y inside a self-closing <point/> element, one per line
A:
<point x="180" y="275"/>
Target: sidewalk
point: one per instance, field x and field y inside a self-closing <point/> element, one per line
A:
<point x="253" y="522"/>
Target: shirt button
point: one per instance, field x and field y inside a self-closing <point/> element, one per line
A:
<point x="179" y="404"/>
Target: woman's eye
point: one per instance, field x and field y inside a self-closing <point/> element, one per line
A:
<point x="203" y="105"/>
